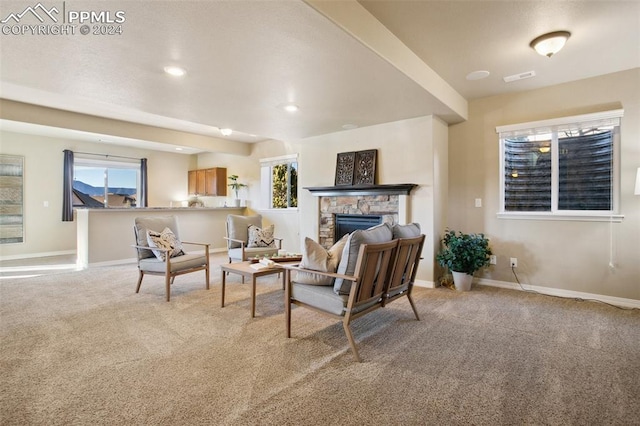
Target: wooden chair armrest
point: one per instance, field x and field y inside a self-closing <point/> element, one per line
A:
<point x="196" y="244"/>
<point x="326" y="274"/>
<point x="236" y="241"/>
<point x="151" y="248"/>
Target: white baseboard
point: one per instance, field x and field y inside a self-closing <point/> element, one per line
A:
<point x="618" y="301"/>
<point x="43" y="254"/>
<point x="425" y="284"/>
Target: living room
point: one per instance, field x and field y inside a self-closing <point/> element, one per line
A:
<point x="454" y="162"/>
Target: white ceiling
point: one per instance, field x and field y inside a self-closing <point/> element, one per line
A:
<point x="244" y="59"/>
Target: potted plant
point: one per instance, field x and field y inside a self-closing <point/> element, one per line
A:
<point x="235" y="185"/>
<point x="464" y="254"/>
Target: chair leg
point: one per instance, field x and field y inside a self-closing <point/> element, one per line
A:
<point x="352" y="342"/>
<point x="287" y="304"/>
<point x="168" y="280"/>
<point x="413" y="306"/>
<point x="139" y="281"/>
<point x="206" y="270"/>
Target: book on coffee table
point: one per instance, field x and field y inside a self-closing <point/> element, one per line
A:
<point x="278" y="259"/>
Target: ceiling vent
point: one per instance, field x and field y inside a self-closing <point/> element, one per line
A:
<point x="521" y="76"/>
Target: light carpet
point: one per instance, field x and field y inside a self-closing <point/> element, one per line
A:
<point x="83" y="348"/>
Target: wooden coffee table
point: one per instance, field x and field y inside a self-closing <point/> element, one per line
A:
<point x="245" y="270"/>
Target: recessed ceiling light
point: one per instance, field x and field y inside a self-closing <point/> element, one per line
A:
<point x="178" y="149"/>
<point x="226" y="132"/>
<point x="289" y="107"/>
<point x="175" y="71"/>
<point x="477" y="75"/>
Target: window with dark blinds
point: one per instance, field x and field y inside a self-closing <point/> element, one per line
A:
<point x="527" y="175"/>
<point x="585" y="169"/>
<point x="559" y="166"/>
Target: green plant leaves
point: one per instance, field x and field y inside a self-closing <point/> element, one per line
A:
<point x="464" y="252"/>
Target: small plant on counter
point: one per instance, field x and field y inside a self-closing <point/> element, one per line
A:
<point x="235" y="185"/>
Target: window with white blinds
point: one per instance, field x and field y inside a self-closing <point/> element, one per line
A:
<point x="561" y="166"/>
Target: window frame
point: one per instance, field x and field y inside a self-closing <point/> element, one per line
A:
<point x="554" y="126"/>
<point x="266" y="180"/>
<point x="110" y="164"/>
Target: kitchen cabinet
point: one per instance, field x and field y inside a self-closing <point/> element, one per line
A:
<point x="211" y="182"/>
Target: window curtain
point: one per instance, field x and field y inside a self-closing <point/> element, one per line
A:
<point x="67" y="190"/>
<point x="144" y="190"/>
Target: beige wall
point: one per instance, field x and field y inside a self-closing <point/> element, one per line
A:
<point x="564" y="255"/>
<point x="406" y="151"/>
<point x="286" y="222"/>
<point x="45" y="233"/>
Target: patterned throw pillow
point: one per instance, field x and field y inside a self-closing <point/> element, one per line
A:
<point x="261" y="237"/>
<point x="165" y="240"/>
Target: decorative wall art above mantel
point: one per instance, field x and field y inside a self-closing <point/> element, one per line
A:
<point x="356" y="168"/>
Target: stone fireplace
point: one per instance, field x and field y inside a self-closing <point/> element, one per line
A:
<point x="389" y="202"/>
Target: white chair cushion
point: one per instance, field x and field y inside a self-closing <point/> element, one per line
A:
<point x="142" y="224"/>
<point x="177" y="264"/>
<point x="321" y="297"/>
<point x="238" y="227"/>
<point x="411" y="230"/>
<point x="377" y="234"/>
<point x="250" y="253"/>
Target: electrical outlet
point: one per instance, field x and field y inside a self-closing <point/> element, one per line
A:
<point x="493" y="259"/>
<point x="514" y="262"/>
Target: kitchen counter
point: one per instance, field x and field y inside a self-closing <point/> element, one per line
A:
<point x="143" y="209"/>
<point x="105" y="236"/>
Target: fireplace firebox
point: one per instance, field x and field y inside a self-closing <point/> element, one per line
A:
<point x="347" y="223"/>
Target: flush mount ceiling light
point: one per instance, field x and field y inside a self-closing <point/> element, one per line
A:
<point x="549" y="44"/>
<point x="289" y="107"/>
<point x="175" y="71"/>
<point x="226" y="132"/>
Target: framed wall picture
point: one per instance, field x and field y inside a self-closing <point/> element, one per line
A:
<point x="365" y="167"/>
<point x="345" y="168"/>
<point x="11" y="199"/>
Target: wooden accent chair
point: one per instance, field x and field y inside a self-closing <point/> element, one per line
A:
<point x="238" y="238"/>
<point x="403" y="273"/>
<point x="368" y="287"/>
<point x="149" y="263"/>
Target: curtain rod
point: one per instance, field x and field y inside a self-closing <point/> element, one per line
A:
<point x="105" y="155"/>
